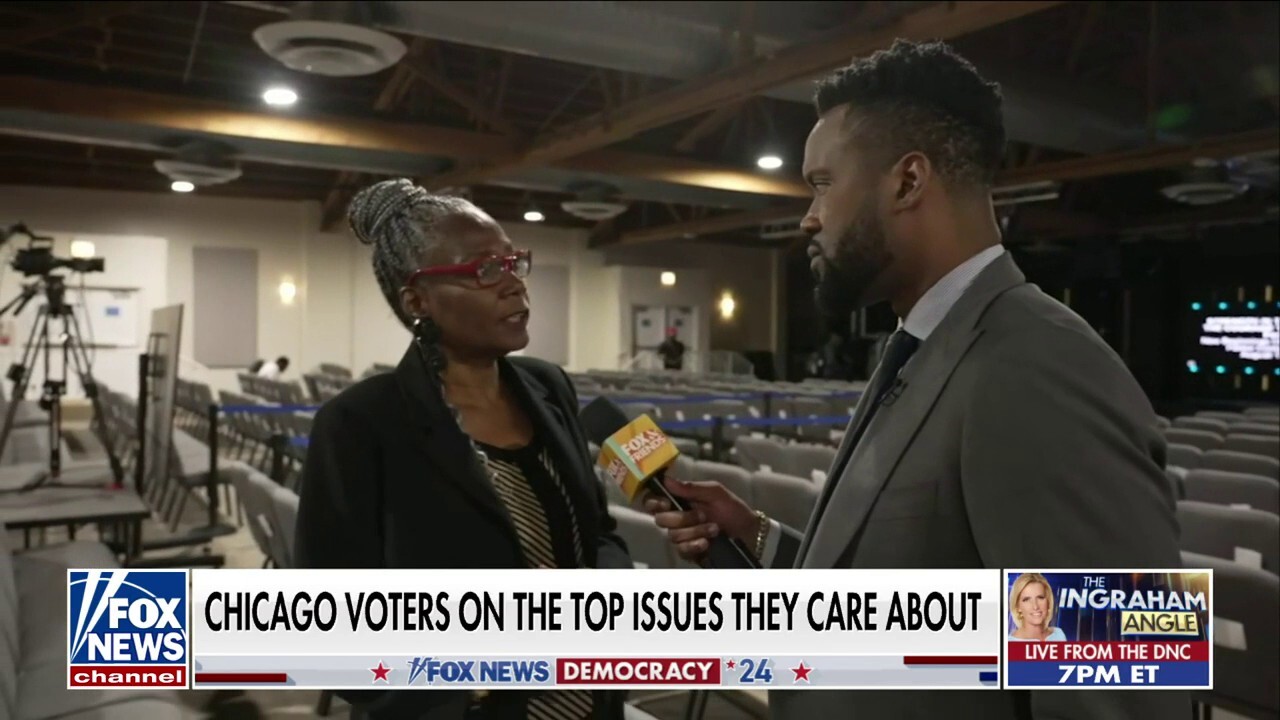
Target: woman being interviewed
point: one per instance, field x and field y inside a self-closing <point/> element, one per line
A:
<point x="461" y="457"/>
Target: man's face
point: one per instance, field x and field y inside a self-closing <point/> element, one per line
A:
<point x="848" y="243"/>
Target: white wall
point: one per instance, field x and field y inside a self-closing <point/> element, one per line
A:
<point x="339" y="314"/>
<point x="128" y="258"/>
<point x="277" y="230"/>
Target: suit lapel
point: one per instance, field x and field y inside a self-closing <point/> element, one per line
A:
<point x="837" y="467"/>
<point x="892" y="429"/>
<point x="444" y="445"/>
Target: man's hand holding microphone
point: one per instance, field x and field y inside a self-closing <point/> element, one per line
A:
<point x="713" y="511"/>
<point x="708" y="524"/>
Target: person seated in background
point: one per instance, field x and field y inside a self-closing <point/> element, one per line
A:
<point x="672" y="351"/>
<point x="274" y="369"/>
<point x="462" y="457"/>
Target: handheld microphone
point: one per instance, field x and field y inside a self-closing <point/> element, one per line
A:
<point x="635" y="454"/>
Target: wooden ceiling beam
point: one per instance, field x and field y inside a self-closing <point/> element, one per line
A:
<point x="344" y="187"/>
<point x="183" y="114"/>
<point x="1121" y="163"/>
<point x="431" y="75"/>
<point x="797" y="62"/>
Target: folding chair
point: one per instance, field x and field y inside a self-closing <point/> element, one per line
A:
<point x="1249" y="537"/>
<point x="1202" y="439"/>
<point x="1188" y="457"/>
<point x="1227" y="488"/>
<point x="785" y="498"/>
<point x="1248" y="463"/>
<point x="1246" y="638"/>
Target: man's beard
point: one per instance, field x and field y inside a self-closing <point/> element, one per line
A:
<point x="861" y="255"/>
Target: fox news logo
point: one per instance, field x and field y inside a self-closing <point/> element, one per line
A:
<point x="127" y="628"/>
<point x="485" y="672"/>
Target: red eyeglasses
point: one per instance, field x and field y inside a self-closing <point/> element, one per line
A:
<point x="486" y="270"/>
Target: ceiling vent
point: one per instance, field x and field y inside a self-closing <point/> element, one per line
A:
<point x="1206" y="183"/>
<point x="593" y="202"/>
<point x="331" y="38"/>
<point x="201" y="164"/>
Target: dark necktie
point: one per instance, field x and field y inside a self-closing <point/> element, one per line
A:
<point x="902" y="345"/>
<point x="899" y="349"/>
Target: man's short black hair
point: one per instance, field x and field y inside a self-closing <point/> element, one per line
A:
<point x="924" y="97"/>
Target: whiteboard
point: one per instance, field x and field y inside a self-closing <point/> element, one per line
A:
<point x="108" y="317"/>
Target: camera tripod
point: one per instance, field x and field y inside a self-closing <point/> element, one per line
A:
<point x="39" y="341"/>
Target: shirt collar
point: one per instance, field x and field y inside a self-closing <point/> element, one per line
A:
<point x="933" y="306"/>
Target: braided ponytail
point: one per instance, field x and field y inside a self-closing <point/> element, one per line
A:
<point x="401" y="221"/>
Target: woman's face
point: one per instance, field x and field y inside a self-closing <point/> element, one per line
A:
<point x="475" y="321"/>
<point x="1033" y="603"/>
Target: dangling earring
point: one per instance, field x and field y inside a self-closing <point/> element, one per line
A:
<point x="428" y="335"/>
<point x="426" y="330"/>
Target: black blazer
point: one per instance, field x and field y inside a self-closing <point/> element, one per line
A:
<point x="390" y="482"/>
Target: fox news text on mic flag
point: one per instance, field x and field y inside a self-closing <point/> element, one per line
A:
<point x="1146" y="629"/>
<point x="539" y="629"/>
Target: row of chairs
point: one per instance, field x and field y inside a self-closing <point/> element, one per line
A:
<point x="1264" y="445"/>
<point x="1190" y="457"/>
<point x="277" y="391"/>
<point x="1226" y="488"/>
<point x="772" y="455"/>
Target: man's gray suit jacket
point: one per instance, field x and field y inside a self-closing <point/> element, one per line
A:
<point x="1018" y="440"/>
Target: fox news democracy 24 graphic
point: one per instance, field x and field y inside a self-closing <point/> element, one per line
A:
<point x="1149" y="629"/>
<point x="127" y="628"/>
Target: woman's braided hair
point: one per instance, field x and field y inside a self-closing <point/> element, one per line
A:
<point x="402" y="222"/>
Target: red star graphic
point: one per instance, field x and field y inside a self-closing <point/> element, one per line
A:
<point x="730" y="664"/>
<point x="380" y="673"/>
<point x="802" y="673"/>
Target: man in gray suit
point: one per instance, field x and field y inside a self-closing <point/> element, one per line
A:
<point x="998" y="430"/>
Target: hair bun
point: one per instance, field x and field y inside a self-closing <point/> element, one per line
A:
<point x="374" y="206"/>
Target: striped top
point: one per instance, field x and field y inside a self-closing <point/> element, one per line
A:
<point x="530" y="488"/>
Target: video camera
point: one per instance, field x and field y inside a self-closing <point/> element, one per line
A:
<point x="38" y="258"/>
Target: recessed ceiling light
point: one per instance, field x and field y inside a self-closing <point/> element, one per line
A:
<point x="279" y="96"/>
<point x="534" y="216"/>
<point x="667" y="278"/>
<point x="769" y="162"/>
<point x="182" y="186"/>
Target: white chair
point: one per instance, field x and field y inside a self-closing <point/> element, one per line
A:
<point x="646" y="541"/>
<point x="785" y="498"/>
<point x="1226" y="488"/>
<point x="1266" y="411"/>
<point x="1248" y="463"/>
<point x="734" y="478"/>
<point x="803" y="460"/>
<point x="1202" y="439"/>
<point x="1183" y="456"/>
<point x="1213" y="425"/>
<point x="285" y="503"/>
<point x="754" y="452"/>
<point x="1237" y="534"/>
<point x="1254" y="428"/>
<point x="1221" y="415"/>
<point x="1265" y="445"/>
<point x="1246" y="661"/>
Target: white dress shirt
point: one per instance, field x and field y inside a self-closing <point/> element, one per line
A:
<point x="923" y="318"/>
